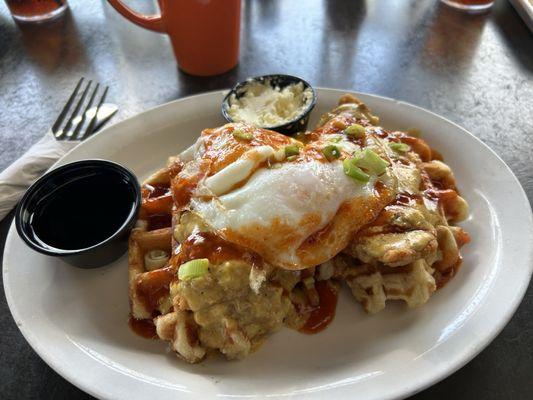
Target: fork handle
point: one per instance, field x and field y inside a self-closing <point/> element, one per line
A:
<point x="151" y="22"/>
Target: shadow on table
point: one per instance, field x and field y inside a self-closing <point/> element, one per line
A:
<point x="4" y="34"/>
<point x="339" y="35"/>
<point x="189" y="84"/>
<point x="451" y="39"/>
<point x="515" y="33"/>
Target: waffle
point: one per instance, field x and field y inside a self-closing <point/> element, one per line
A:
<point x="412" y="248"/>
<point x="234" y="317"/>
<point x="401" y="244"/>
<point x="148" y="286"/>
<point x="233" y="307"/>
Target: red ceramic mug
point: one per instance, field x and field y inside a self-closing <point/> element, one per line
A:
<point x="204" y="33"/>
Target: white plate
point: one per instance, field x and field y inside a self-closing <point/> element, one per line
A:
<point x="76" y="320"/>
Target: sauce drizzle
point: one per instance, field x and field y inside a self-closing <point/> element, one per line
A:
<point x="159" y="221"/>
<point x="143" y="327"/>
<point x="321" y="315"/>
<point x="157" y="190"/>
<point x="154" y="286"/>
<point x="209" y="245"/>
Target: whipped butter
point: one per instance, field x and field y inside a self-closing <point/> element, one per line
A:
<point x="266" y="106"/>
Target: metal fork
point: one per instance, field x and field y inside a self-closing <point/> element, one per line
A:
<point x="84" y="119"/>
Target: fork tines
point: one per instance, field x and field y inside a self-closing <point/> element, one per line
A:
<point x="78" y="126"/>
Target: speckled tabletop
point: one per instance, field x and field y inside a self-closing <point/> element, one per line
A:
<point x="475" y="70"/>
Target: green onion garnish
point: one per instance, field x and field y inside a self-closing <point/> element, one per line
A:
<point x="292" y="158"/>
<point x="193" y="269"/>
<point x="331" y="152"/>
<point x="240" y="134"/>
<point x="353" y="171"/>
<point x="291" y="150"/>
<point x="355" y="130"/>
<point x="400" y="147"/>
<point x="371" y="162"/>
<point x="155" y="259"/>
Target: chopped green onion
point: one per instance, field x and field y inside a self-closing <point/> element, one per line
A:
<point x="193" y="269"/>
<point x="292" y="158"/>
<point x="370" y="161"/>
<point x="291" y="150"/>
<point x="336" y="139"/>
<point x="355" y="130"/>
<point x="353" y="171"/>
<point x="331" y="152"/>
<point x="400" y="147"/>
<point x="155" y="259"/>
<point x="240" y="134"/>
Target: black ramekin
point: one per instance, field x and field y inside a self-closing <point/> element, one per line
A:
<point x="101" y="253"/>
<point x="289" y="128"/>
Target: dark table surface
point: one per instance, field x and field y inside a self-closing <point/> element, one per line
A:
<point x="475" y="70"/>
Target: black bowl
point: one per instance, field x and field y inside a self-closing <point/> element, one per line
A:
<point x="289" y="128"/>
<point x="82" y="212"/>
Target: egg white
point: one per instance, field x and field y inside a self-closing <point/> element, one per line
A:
<point x="285" y="194"/>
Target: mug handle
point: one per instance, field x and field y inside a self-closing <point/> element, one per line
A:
<point x="151" y="22"/>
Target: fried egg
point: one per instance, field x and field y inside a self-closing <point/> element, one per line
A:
<point x="295" y="214"/>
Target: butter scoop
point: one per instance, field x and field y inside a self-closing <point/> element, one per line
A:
<point x="278" y="102"/>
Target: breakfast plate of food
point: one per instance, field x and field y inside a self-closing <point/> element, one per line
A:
<point x="337" y="244"/>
